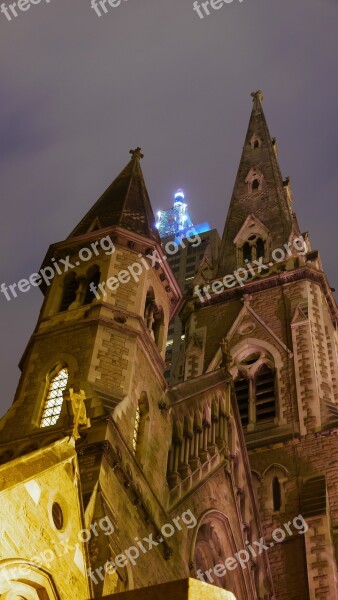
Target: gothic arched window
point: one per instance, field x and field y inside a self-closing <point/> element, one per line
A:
<point x="93" y="280"/>
<point x="149" y="308"/>
<point x="265" y="395"/>
<point x="57" y="383"/>
<point x="276" y="494"/>
<point x="158" y="326"/>
<point x="255" y="389"/>
<point x="260" y="248"/>
<point x="154" y="318"/>
<point x="247" y="251"/>
<point x="254" y="180"/>
<point x="254" y="247"/>
<point x="242" y="396"/>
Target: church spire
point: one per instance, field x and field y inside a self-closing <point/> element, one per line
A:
<point x="125" y="204"/>
<point x="257" y="101"/>
<point x="259" y="191"/>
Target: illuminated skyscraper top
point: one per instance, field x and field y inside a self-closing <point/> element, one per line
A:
<point x="175" y="219"/>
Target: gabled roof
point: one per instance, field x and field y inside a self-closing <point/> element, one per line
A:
<point x="125" y="203"/>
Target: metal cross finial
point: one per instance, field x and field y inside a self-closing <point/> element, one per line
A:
<point x="136" y="153"/>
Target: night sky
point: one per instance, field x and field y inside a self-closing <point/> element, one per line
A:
<point x="78" y="91"/>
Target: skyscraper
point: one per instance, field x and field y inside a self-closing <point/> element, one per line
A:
<point x="175" y="219"/>
<point x="173" y="223"/>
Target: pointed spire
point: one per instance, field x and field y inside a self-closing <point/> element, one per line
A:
<point x="258" y="190"/>
<point x="125" y="203"/>
<point x="257" y="101"/>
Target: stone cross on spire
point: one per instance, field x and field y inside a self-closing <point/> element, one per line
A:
<point x="136" y="153"/>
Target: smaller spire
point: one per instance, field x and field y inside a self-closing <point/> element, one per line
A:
<point x="137" y="153"/>
<point x="257" y="100"/>
<point x="125" y="203"/>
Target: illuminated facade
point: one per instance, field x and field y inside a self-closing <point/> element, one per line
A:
<point x="94" y="433"/>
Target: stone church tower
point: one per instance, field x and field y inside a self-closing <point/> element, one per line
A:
<point x="110" y="481"/>
<point x="270" y="299"/>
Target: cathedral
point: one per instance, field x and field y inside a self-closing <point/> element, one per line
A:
<point x="223" y="486"/>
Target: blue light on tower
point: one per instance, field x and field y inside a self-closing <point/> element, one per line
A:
<point x="179" y="197"/>
<point x="175" y="219"/>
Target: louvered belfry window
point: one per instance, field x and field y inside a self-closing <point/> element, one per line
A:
<point x="265" y="395"/>
<point x="242" y="395"/>
<point x="256" y="390"/>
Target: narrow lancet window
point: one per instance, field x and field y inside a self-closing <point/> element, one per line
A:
<point x="54" y="398"/>
<point x="136" y="428"/>
<point x="276" y="494"/>
<point x="260" y="250"/>
<point x="69" y="291"/>
<point x="247" y="251"/>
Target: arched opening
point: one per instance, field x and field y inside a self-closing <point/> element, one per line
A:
<point x="56" y="384"/>
<point x="214" y="544"/>
<point x="149" y="308"/>
<point x="70" y="286"/>
<point x="260" y="248"/>
<point x="157" y="327"/>
<point x="274" y="488"/>
<point x="256" y="144"/>
<point x="265" y="395"/>
<point x="154" y="318"/>
<point x="93" y="280"/>
<point x="242" y="388"/>
<point x="247" y="251"/>
<point x="276" y="494"/>
<point x="256" y="384"/>
<point x="255" y="184"/>
<point x="25" y="581"/>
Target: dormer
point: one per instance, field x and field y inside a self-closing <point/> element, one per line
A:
<point x="254" y="180"/>
<point x="252" y="241"/>
<point x="255" y="142"/>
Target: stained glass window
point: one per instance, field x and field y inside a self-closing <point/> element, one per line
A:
<point x="53" y="403"/>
